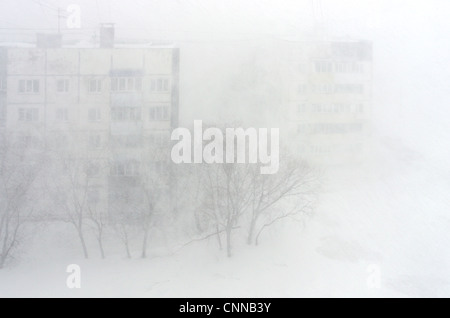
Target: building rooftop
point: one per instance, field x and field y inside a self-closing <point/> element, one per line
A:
<point x="91" y="45"/>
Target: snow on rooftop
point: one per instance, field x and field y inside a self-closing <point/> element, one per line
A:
<point x="17" y="44"/>
<point x="92" y="45"/>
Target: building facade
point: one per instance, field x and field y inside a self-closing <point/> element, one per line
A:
<point x="111" y="108"/>
<point x="328" y="99"/>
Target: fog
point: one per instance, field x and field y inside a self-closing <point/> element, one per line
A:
<point x="358" y="208"/>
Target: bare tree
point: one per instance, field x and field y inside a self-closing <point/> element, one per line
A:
<point x="123" y="228"/>
<point x="275" y="197"/>
<point x="152" y="197"/>
<point x="227" y="196"/>
<point x="99" y="219"/>
<point x="154" y="188"/>
<point x="193" y="210"/>
<point x="237" y="196"/>
<point x="19" y="168"/>
<point x="123" y="205"/>
<point x="139" y="192"/>
<point x="97" y="211"/>
<point x="70" y="193"/>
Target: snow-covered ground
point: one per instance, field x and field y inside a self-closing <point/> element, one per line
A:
<point x="386" y="220"/>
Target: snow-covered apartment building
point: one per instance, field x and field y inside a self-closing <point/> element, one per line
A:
<point x="112" y="105"/>
<point x="328" y="98"/>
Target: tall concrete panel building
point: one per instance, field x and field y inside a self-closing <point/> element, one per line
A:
<point x="328" y="98"/>
<point x="112" y="106"/>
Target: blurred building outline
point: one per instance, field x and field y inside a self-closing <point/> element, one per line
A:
<point x="115" y="105"/>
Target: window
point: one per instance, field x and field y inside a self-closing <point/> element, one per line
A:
<point x="356" y="68"/>
<point x="2" y="113"/>
<point x="61" y="141"/>
<point x="320" y="149"/>
<point x="158" y="113"/>
<point x="126" y="84"/>
<point x="330" y="128"/>
<point x="316" y="108"/>
<point x="122" y="85"/>
<point x="323" y="66"/>
<point x="361" y="68"/>
<point x="159" y="139"/>
<point x="135" y="113"/>
<point x="301" y="128"/>
<point x="121" y="114"/>
<point x="94" y="114"/>
<point x="118" y="114"/>
<point x="125" y="168"/>
<point x="159" y="85"/>
<point x="349" y="88"/>
<point x="126" y="141"/>
<point x="325" y="89"/>
<point x="93" y="195"/>
<point x="62" y="114"/>
<point x="159" y="167"/>
<point x="132" y="169"/>
<point x="93" y="169"/>
<point x="302" y="88"/>
<point x="28" y="114"/>
<point x="62" y="85"/>
<point x="138" y="84"/>
<point x="133" y="141"/>
<point x="95" y="141"/>
<point x="28" y="86"/>
<point x="28" y="141"/>
<point x="322" y="88"/>
<point x="25" y="140"/>
<point x="301" y="108"/>
<point x="95" y="86"/>
<point x="347" y="67"/>
<point x="302" y="68"/>
<point x="3" y="84"/>
<point x="341" y="108"/>
<point x="327" y="108"/>
<point x="361" y="108"/>
<point x="322" y="108"/>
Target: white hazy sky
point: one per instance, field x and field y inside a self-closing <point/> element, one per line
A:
<point x="411" y="41"/>
<point x="195" y="18"/>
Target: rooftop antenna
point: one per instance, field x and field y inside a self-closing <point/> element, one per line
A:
<point x="319" y="18"/>
<point x="59" y="19"/>
<point x="317" y="12"/>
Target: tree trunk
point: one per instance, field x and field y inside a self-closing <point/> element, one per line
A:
<point x="251" y="231"/>
<point x="144" y="245"/>
<point x="3" y="256"/>
<point x="257" y="236"/>
<point x="197" y="223"/>
<point x="218" y="237"/>
<point x="100" y="238"/>
<point x="125" y="242"/>
<point x="229" y="241"/>
<point x="83" y="243"/>
<point x="128" y="250"/>
<point x="100" y="244"/>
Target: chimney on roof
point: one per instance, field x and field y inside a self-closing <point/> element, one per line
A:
<point x="107" y="35"/>
<point x="49" y="41"/>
